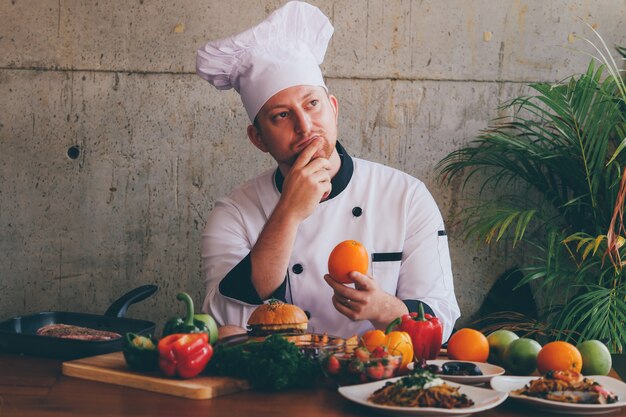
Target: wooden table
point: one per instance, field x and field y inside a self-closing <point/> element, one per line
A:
<point x="31" y="386"/>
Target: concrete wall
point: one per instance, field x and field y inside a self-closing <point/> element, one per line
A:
<point x="156" y="145"/>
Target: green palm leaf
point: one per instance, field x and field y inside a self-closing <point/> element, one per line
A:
<point x="548" y="179"/>
<point x="599" y="314"/>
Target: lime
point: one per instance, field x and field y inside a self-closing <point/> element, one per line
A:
<point x="498" y="341"/>
<point x="596" y="357"/>
<point x="520" y="356"/>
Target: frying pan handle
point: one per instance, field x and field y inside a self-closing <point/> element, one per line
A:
<point x="120" y="306"/>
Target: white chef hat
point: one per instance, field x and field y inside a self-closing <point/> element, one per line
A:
<point x="283" y="51"/>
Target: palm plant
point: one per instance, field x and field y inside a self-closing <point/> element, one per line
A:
<point x="551" y="181"/>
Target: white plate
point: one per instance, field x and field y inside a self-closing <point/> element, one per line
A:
<point x="484" y="399"/>
<point x="507" y="384"/>
<point x="488" y="370"/>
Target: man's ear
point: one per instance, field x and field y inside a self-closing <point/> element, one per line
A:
<point x="335" y="105"/>
<point x="255" y="137"/>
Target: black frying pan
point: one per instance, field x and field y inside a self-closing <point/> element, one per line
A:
<point x="18" y="334"/>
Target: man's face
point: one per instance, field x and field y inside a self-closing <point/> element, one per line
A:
<point x="291" y="119"/>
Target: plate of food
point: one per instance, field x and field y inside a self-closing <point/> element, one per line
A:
<point x="462" y="372"/>
<point x="431" y="396"/>
<point x="566" y="392"/>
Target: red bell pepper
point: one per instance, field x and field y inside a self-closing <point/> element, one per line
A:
<point x="426" y="333"/>
<point x="183" y="354"/>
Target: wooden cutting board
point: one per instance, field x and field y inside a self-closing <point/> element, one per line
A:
<point x="112" y="369"/>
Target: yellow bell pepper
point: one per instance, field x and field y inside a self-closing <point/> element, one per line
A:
<point x="399" y="343"/>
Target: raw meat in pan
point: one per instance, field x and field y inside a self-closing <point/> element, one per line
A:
<point x="66" y="331"/>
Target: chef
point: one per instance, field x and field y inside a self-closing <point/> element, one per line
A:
<point x="271" y="237"/>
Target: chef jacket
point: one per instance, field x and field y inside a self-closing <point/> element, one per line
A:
<point x="391" y="213"/>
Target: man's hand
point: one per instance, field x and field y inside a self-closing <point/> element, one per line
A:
<point x="306" y="184"/>
<point x="307" y="181"/>
<point x="366" y="301"/>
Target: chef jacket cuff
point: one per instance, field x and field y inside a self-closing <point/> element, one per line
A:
<point x="237" y="284"/>
<point x="414" y="307"/>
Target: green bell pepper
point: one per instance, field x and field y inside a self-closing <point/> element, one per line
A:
<point x="192" y="323"/>
<point x="140" y="352"/>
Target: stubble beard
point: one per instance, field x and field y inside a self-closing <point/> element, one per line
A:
<point x="325" y="152"/>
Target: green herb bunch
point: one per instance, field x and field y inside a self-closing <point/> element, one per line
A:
<point x="271" y="365"/>
<point x="417" y="379"/>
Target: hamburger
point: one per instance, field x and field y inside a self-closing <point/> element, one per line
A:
<point x="277" y="317"/>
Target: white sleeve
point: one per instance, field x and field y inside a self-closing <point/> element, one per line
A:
<point x="426" y="270"/>
<point x="224" y="244"/>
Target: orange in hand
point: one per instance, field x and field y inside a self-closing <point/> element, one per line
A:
<point x="559" y="356"/>
<point x="347" y="256"/>
<point x="468" y="345"/>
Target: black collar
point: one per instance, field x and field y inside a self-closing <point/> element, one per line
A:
<point x="340" y="180"/>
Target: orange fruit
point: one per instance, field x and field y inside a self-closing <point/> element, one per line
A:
<point x="346" y="257"/>
<point x="372" y="339"/>
<point x="468" y="345"/>
<point x="559" y="356"/>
